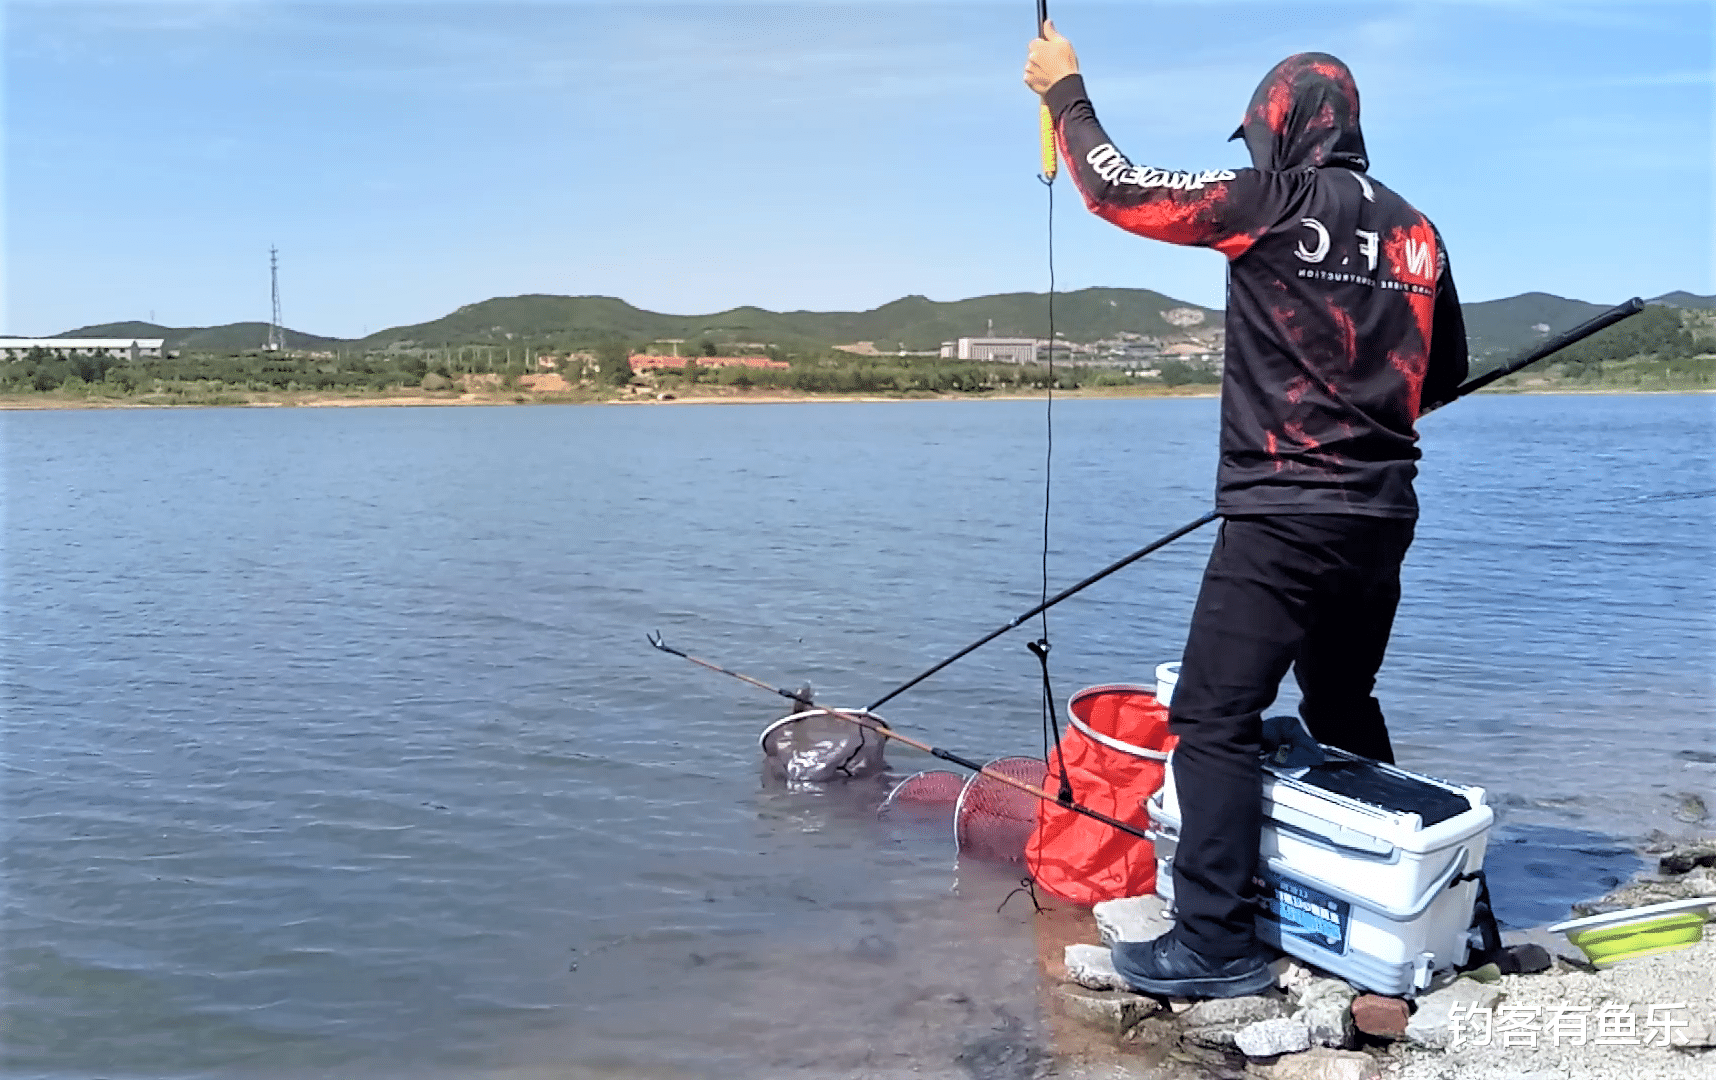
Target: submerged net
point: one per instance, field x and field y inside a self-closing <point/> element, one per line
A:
<point x="993" y="819"/>
<point x="932" y="789"/>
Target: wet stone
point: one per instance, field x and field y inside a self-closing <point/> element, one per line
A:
<point x="1113" y="1011"/>
<point x="1700" y="881"/>
<point x="1688" y="857"/>
<point x="1091" y="966"/>
<point x="1134" y="918"/>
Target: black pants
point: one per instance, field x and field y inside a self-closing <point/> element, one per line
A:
<point x="1315" y="592"/>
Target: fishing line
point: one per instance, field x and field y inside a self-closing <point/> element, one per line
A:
<point x="1040" y="647"/>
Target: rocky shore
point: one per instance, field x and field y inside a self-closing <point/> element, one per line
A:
<point x="1558" y="1018"/>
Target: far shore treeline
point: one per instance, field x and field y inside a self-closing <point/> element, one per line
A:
<point x="1664" y="348"/>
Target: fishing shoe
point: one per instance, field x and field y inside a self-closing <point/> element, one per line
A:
<point x="1166" y="967"/>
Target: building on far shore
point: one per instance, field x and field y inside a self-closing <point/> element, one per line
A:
<point x="641" y="362"/>
<point x="1007" y="350"/>
<point x="132" y="349"/>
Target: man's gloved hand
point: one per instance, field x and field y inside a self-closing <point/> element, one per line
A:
<point x="1287" y="745"/>
<point x="1050" y="60"/>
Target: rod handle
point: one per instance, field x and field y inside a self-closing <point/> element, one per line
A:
<point x="1051" y="160"/>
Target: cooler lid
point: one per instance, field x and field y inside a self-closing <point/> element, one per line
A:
<point x="1376" y="784"/>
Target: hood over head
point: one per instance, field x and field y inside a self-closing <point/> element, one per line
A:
<point x="1305" y="113"/>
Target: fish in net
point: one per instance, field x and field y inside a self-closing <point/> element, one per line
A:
<point x="813" y="747"/>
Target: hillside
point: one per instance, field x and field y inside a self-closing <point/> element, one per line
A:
<point x="230" y="338"/>
<point x="913" y="322"/>
<point x="1496" y="328"/>
<point x="1686" y="300"/>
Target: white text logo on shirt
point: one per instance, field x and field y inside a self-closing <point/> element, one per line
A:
<point x="1112" y="166"/>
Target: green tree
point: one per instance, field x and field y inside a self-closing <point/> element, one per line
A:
<point x="613" y="363"/>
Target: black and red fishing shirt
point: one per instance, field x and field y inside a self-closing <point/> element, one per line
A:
<point x="1343" y="325"/>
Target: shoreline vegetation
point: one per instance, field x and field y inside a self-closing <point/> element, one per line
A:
<point x="408" y="397"/>
<point x="1663" y="349"/>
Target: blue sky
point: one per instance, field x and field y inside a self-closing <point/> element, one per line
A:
<point x="408" y="157"/>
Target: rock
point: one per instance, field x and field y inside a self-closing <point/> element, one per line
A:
<point x="1156" y="1030"/>
<point x="1235" y="1010"/>
<point x="1090" y="965"/>
<point x="1215" y="1022"/>
<point x="1690" y="808"/>
<point x="1688" y="857"/>
<point x="1700" y="881"/>
<point x="1699" y="1034"/>
<point x="1384" y="1017"/>
<point x="1269" y="1038"/>
<point x="1432" y="1026"/>
<point x="1110" y="1010"/>
<point x="1325" y="1005"/>
<point x="1134" y="918"/>
<point x="1529" y="958"/>
<point x="1291" y="975"/>
<point x="1321" y="1064"/>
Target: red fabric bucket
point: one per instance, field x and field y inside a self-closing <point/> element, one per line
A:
<point x="1115" y="756"/>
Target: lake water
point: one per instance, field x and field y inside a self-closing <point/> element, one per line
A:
<point x="333" y="744"/>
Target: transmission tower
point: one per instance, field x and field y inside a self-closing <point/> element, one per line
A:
<point x="276" y="332"/>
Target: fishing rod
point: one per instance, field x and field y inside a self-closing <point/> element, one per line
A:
<point x="865" y="719"/>
<point x="1019" y="619"/>
<point x="659" y="642"/>
<point x="1524" y="360"/>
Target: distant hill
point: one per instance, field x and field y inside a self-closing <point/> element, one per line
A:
<point x="233" y="337"/>
<point x="1495" y="328"/>
<point x="1500" y="328"/>
<point x="1686" y="300"/>
<point x="913" y="322"/>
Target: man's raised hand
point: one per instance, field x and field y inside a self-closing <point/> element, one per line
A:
<point x="1049" y="60"/>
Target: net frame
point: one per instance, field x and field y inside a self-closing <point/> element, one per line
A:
<point x="993" y="820"/>
<point x="923" y="790"/>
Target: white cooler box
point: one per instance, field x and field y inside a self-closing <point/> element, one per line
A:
<point x="1350" y="881"/>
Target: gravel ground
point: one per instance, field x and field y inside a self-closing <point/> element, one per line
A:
<point x="1687" y="978"/>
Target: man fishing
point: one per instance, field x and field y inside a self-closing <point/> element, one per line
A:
<point x="1342" y="327"/>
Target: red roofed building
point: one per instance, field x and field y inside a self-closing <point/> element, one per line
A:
<point x="653" y="363"/>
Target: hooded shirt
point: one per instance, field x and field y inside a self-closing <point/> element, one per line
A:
<point x="1343" y="325"/>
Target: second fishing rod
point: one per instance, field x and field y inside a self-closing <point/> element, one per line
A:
<point x="1541" y="351"/>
